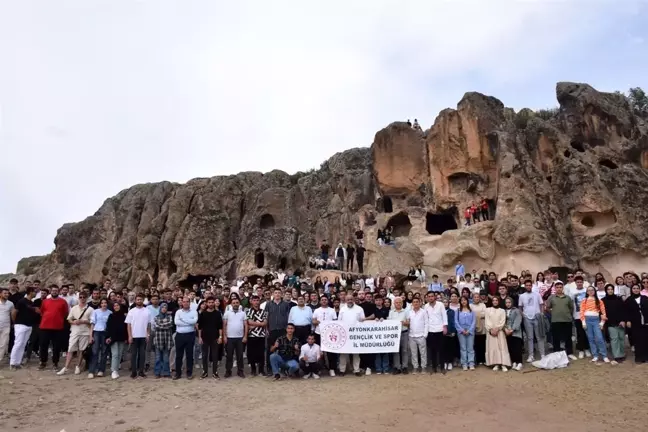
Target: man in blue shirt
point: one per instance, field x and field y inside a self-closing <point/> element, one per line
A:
<point x="301" y="316"/>
<point x="460" y="270"/>
<point x="435" y="286"/>
<point x="185" y="321"/>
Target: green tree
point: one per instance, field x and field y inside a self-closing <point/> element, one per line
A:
<point x="638" y="99"/>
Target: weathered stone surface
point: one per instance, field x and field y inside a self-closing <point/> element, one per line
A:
<point x="571" y="190"/>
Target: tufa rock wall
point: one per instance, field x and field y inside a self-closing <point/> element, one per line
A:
<point x="567" y="191"/>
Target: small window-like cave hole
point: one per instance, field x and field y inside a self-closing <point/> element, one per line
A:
<point x="506" y="175"/>
<point x="549" y="178"/>
<point x="588" y="221"/>
<point x="387" y="205"/>
<point x="283" y="263"/>
<point x="400" y="224"/>
<point x="567" y="153"/>
<point x="259" y="259"/>
<point x="267" y="221"/>
<point x="438" y="223"/>
<point x="608" y="164"/>
<point x="509" y="200"/>
<point x="578" y="146"/>
<point x="191" y="280"/>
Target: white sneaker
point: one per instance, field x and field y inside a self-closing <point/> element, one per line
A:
<point x="449" y="366"/>
<point x="614" y="362"/>
<point x="581" y="355"/>
<point x="332" y="373"/>
<point x="472" y="368"/>
<point x="368" y="371"/>
<point x="495" y="368"/>
<point x="315" y="376"/>
<point x="307" y="376"/>
<point x="378" y="373"/>
<point x="414" y="371"/>
<point x="632" y="348"/>
<point x="62" y="371"/>
<point x="504" y="369"/>
<point x="588" y="353"/>
<point x="530" y="359"/>
<point x="519" y="367"/>
<point x="77" y="370"/>
<point x="606" y="360"/>
<point x="99" y="374"/>
<point x="465" y="368"/>
<point x="594" y="359"/>
<point x="572" y="357"/>
<point x="114" y="375"/>
<point x="90" y="376"/>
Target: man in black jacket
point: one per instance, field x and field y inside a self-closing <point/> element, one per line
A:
<point x="210" y="337"/>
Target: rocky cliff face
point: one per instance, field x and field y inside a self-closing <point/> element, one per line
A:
<point x="570" y="190"/>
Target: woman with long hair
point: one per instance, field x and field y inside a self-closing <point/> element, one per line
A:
<point x="616" y="319"/>
<point x="450" y="341"/>
<point x="465" y="321"/>
<point x="479" y="308"/>
<point x="637" y="310"/>
<point x="513" y="331"/>
<point x="497" y="354"/>
<point x="593" y="317"/>
<point x="539" y="283"/>
<point x="116" y="337"/>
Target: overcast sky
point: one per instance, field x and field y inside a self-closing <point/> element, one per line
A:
<point x="96" y="96"/>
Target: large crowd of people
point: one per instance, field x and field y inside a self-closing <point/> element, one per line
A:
<point x="272" y="323"/>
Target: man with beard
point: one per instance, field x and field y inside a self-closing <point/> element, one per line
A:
<point x="139" y="330"/>
<point x="54" y="311"/>
<point x="6" y="311"/>
<point x="257" y="320"/>
<point x="79" y="318"/>
<point x="25" y="316"/>
<point x="367" y="361"/>
<point x="210" y="337"/>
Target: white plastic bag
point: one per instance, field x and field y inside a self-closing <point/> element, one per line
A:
<point x="555" y="360"/>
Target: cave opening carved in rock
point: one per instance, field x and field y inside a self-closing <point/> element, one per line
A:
<point x="578" y="146"/>
<point x="387" y="204"/>
<point x="562" y="272"/>
<point x="438" y="223"/>
<point x="608" y="164"/>
<point x="463" y="182"/>
<point x="267" y="221"/>
<point x="595" y="223"/>
<point x="401" y="224"/>
<point x="283" y="263"/>
<point x="193" y="279"/>
<point x="259" y="258"/>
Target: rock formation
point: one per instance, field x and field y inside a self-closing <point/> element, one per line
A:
<point x="565" y="191"/>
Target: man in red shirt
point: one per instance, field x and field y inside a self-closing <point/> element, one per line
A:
<point x="484" y="209"/>
<point x="468" y="215"/>
<point x="54" y="311"/>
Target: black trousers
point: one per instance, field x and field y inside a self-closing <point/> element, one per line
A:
<point x="641" y="343"/>
<point x="514" y="348"/>
<point x="256" y="352"/>
<point x="562" y="332"/>
<point x="272" y="338"/>
<point x="582" y="343"/>
<point x="484" y="213"/>
<point x="450" y="348"/>
<point x="359" y="260"/>
<point x="138" y="356"/>
<point x="33" y="347"/>
<point x="480" y="349"/>
<point x="45" y="338"/>
<point x="350" y="263"/>
<point x="184" y="343"/>
<point x="234" y="345"/>
<point x="367" y="361"/>
<point x="210" y="351"/>
<point x="302" y="332"/>
<point x="435" y="349"/>
<point x="310" y="367"/>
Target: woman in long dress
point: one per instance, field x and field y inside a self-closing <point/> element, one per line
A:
<point x="497" y="354"/>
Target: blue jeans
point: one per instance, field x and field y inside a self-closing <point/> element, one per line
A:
<point x="467" y="349"/>
<point x="277" y="363"/>
<point x="162" y="362"/>
<point x="99" y="353"/>
<point x="382" y="362"/>
<point x="595" y="337"/>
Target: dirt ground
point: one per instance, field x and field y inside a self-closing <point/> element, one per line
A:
<point x="582" y="397"/>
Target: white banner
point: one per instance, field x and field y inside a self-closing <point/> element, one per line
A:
<point x="362" y="338"/>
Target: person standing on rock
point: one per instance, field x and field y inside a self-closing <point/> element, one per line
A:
<point x="460" y="270"/>
<point x="360" y="257"/>
<point x="350" y="252"/>
<point x="325" y="250"/>
<point x="484" y="209"/>
<point x="340" y="256"/>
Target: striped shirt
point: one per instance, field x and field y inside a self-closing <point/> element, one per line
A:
<point x="258" y="316"/>
<point x="588" y="308"/>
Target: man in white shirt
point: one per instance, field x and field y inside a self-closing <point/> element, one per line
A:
<point x="79" y="319"/>
<point x="6" y="308"/>
<point x="437" y="325"/>
<point x="401" y="358"/>
<point x="417" y="333"/>
<point x="310" y="358"/>
<point x="138" y="325"/>
<point x="351" y="315"/>
<point x="532" y="307"/>
<point x="321" y="314"/>
<point x="235" y="330"/>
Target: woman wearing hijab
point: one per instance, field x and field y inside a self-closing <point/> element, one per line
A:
<point x="637" y="310"/>
<point x="163" y="339"/>
<point x="479" y="309"/>
<point x="616" y="319"/>
<point x="513" y="331"/>
<point x="116" y="336"/>
<point x="497" y="354"/>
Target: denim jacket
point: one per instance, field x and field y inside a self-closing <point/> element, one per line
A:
<point x="465" y="321"/>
